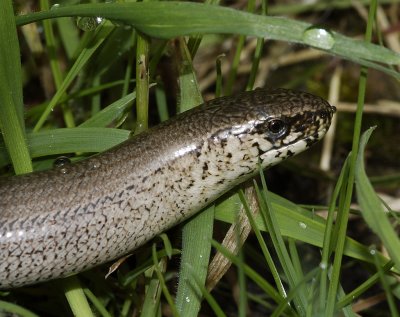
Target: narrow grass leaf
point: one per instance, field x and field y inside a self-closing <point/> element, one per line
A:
<point x="300" y="224"/>
<point x="372" y="209"/>
<point x="96" y="303"/>
<point x="270" y="219"/>
<point x="101" y="34"/>
<point x="252" y="274"/>
<point x="111" y="113"/>
<point x="142" y="83"/>
<point x="11" y="103"/>
<point x="7" y="308"/>
<point x="164" y="288"/>
<point x="70" y="140"/>
<point x="75" y="296"/>
<point x="327" y="247"/>
<point x="386" y="286"/>
<point x="263" y="246"/>
<point x="151" y="304"/>
<point x="208" y="297"/>
<point x="362" y="288"/>
<point x="129" y="277"/>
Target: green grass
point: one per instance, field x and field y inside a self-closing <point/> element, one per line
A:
<point x="100" y="75"/>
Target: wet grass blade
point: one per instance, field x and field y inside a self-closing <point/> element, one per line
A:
<point x="185" y="18"/>
<point x="197" y="233"/>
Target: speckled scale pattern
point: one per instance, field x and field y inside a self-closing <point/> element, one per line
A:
<point x="71" y="218"/>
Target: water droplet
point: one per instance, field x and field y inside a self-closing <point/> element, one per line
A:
<point x="302" y="225"/>
<point x="88" y="23"/>
<point x="372" y="251"/>
<point x="323" y="265"/>
<point x="61" y="161"/>
<point x="319" y="38"/>
<point x="187" y="299"/>
<point x="55" y="6"/>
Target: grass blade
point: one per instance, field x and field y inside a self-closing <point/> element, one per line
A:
<point x="372" y="209"/>
<point x="11" y="104"/>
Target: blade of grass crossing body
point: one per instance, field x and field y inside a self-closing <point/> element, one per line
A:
<point x="91" y="47"/>
<point x="11" y="103"/>
<point x="197" y="233"/>
<point x="196" y="246"/>
<point x="333" y="287"/>
<point x="271" y="222"/>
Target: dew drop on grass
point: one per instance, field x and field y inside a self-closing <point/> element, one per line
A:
<point x="319" y="37"/>
<point x="55" y="6"/>
<point x="61" y="161"/>
<point x="302" y="225"/>
<point x="187" y="299"/>
<point x="88" y="23"/>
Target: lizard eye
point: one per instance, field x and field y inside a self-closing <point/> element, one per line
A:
<point x="276" y="126"/>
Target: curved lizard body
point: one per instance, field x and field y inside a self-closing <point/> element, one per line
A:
<point x="71" y="218"/>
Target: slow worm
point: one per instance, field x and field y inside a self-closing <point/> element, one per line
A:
<point x="71" y="218"/>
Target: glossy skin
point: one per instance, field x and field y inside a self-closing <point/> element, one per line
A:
<point x="71" y="218"/>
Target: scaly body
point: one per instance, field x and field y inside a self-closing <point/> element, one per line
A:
<point x="69" y="219"/>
